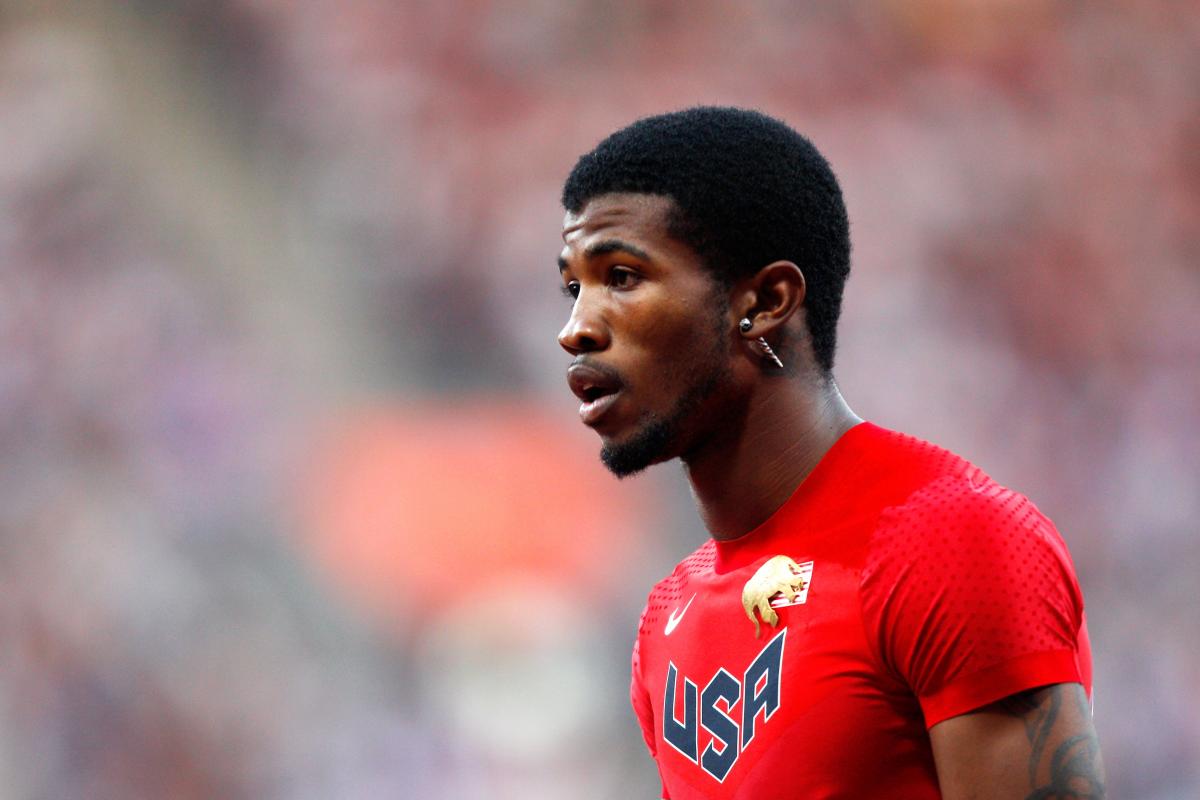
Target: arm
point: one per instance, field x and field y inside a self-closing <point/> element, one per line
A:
<point x="1036" y="745"/>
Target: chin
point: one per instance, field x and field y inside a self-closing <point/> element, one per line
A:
<point x="661" y="437"/>
<point x="648" y="446"/>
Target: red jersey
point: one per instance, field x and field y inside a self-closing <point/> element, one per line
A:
<point x="905" y="587"/>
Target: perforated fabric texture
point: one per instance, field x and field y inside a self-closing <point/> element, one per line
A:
<point x="962" y="578"/>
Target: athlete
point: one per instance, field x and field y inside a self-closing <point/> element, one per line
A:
<point x="873" y="616"/>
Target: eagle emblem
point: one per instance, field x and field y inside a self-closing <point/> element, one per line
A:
<point x="779" y="582"/>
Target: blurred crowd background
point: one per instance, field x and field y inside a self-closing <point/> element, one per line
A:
<point x="295" y="502"/>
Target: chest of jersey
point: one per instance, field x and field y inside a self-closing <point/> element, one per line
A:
<point x="793" y="710"/>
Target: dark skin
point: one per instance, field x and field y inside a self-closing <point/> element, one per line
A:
<point x="648" y="306"/>
<point x="1037" y="745"/>
<point x="652" y="323"/>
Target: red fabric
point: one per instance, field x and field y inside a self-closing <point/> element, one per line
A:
<point x="933" y="591"/>
<point x="995" y="683"/>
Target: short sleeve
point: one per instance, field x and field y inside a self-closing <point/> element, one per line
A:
<point x="969" y="594"/>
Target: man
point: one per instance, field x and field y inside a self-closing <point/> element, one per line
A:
<point x="873" y="617"/>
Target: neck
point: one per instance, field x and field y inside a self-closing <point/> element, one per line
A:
<point x="742" y="477"/>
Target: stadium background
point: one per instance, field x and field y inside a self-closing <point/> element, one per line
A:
<point x="295" y="503"/>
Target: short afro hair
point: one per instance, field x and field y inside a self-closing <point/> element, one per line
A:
<point x="748" y="191"/>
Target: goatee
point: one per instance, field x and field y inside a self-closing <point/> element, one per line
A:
<point x="656" y="439"/>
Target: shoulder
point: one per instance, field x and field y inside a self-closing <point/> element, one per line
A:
<point x="965" y="521"/>
<point x="968" y="560"/>
<point x="888" y="467"/>
<point x="930" y="499"/>
<point x="960" y="541"/>
<point x="969" y="594"/>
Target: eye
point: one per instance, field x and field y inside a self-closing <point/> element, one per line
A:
<point x="623" y="278"/>
<point x="571" y="289"/>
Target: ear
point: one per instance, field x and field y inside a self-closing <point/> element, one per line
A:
<point x="769" y="298"/>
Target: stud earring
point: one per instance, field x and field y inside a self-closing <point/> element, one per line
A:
<point x="744" y="326"/>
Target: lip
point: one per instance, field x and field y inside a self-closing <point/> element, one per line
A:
<point x="597" y="386"/>
<point x="590" y="411"/>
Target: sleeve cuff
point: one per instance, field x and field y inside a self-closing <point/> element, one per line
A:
<point x="978" y="689"/>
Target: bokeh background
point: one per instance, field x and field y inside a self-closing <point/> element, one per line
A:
<point x="295" y="503"/>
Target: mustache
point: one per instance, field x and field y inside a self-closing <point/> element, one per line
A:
<point x="609" y="373"/>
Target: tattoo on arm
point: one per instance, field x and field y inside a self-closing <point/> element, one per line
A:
<point x="1060" y="768"/>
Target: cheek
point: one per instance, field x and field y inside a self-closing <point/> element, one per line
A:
<point x="667" y="322"/>
<point x="669" y="341"/>
<point x="683" y="353"/>
<point x="667" y="345"/>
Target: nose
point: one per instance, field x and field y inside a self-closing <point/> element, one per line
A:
<point x="585" y="331"/>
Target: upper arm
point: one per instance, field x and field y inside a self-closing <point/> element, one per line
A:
<point x="971" y="597"/>
<point x="1038" y="745"/>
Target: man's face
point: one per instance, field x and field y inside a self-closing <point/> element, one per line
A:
<point x="647" y="329"/>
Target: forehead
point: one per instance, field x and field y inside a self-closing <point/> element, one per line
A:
<point x="639" y="218"/>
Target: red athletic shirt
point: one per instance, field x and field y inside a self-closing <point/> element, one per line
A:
<point x="909" y="588"/>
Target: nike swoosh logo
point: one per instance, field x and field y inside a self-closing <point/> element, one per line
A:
<point x="673" y="620"/>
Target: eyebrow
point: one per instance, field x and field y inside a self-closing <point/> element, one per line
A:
<point x="608" y="246"/>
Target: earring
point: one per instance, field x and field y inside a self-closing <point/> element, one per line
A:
<point x="744" y="326"/>
<point x="766" y="348"/>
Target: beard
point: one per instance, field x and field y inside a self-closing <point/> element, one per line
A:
<point x="658" y="435"/>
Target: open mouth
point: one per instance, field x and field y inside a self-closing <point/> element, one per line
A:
<point x="593" y="393"/>
<point x="597" y="387"/>
<point x="590" y="411"/>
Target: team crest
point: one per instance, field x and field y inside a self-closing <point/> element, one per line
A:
<point x="778" y="583"/>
